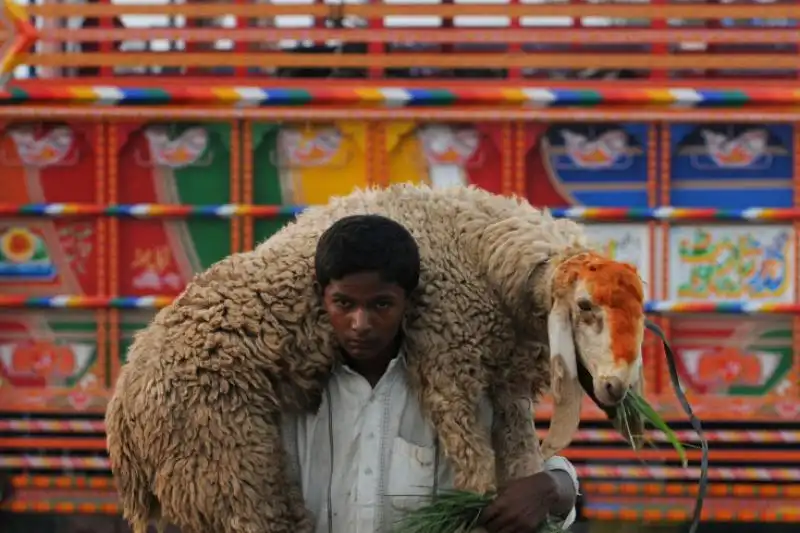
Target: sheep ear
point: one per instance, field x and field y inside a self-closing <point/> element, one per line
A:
<point x="564" y="383"/>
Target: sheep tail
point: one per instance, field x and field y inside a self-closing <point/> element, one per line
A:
<point x="132" y="485"/>
<point x="140" y="526"/>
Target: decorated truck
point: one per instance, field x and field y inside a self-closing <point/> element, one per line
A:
<point x="140" y="142"/>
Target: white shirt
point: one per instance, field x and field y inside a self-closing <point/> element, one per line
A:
<point x="383" y="449"/>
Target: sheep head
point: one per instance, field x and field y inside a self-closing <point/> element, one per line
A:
<point x="595" y="327"/>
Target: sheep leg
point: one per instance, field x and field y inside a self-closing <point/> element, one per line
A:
<point x="470" y="453"/>
<point x="451" y="406"/>
<point x="237" y="485"/>
<point x="514" y="438"/>
<point x="513" y="431"/>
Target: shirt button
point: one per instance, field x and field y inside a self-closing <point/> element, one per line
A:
<point x="368" y="471"/>
<point x="371" y="436"/>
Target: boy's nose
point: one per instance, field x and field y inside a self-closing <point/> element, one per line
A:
<point x="361" y="321"/>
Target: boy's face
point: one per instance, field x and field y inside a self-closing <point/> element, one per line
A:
<point x="366" y="313"/>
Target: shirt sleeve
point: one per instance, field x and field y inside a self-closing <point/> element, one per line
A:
<point x="559" y="463"/>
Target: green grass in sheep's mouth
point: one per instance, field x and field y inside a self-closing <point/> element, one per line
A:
<point x="635" y="406"/>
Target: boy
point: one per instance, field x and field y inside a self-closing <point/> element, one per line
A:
<point x="369" y="443"/>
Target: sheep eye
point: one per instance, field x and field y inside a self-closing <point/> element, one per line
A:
<point x="585" y="305"/>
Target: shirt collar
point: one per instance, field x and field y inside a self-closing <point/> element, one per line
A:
<point x="398" y="363"/>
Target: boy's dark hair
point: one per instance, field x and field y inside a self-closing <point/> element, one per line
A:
<point x="368" y="243"/>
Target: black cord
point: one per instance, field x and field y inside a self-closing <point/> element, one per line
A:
<point x="332" y="457"/>
<point x="702" y="487"/>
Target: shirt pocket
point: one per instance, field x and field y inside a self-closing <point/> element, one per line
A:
<point x="411" y="474"/>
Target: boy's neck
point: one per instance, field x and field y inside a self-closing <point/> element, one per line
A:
<point x="374" y="369"/>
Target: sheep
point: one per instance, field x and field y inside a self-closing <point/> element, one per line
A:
<point x="510" y="300"/>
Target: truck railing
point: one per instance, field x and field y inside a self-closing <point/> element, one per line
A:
<point x="603" y="40"/>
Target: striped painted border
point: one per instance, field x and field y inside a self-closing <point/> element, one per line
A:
<point x="160" y="301"/>
<point x="37" y="426"/>
<point x="590" y="214"/>
<point x="596" y="508"/>
<point x="252" y="96"/>
<point x="675" y="473"/>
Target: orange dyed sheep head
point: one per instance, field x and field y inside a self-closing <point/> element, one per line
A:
<point x="595" y="329"/>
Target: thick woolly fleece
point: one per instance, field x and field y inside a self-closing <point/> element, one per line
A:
<point x="193" y="426"/>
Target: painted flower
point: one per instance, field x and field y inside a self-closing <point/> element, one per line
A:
<point x="82" y="397"/>
<point x="79" y="400"/>
<point x="18" y="245"/>
<point x="44" y="359"/>
<point x="788" y="409"/>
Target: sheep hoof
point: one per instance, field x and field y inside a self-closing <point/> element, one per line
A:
<point x="548" y="452"/>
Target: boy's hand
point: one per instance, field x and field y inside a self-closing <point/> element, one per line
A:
<point x="523" y="505"/>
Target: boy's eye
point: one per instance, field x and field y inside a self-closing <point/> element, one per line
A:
<point x="343" y="304"/>
<point x="383" y="305"/>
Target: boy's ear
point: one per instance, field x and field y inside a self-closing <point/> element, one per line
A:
<point x="318" y="289"/>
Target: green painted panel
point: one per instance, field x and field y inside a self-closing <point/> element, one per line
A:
<point x="266" y="177"/>
<point x="208" y="181"/>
